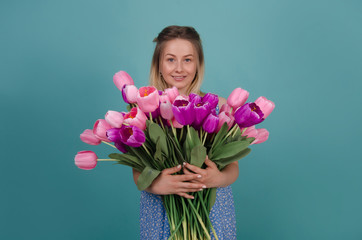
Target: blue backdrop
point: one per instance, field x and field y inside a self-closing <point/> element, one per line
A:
<point x="57" y="59"/>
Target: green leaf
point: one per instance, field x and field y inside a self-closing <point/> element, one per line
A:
<point x="219" y="136"/>
<point x="212" y="198"/>
<point x="230" y="149"/>
<point x="129" y="160"/>
<point x="194" y="136"/>
<point x="146" y="178"/>
<point x="198" y="155"/>
<point x="158" y="152"/>
<point x="155" y="132"/>
<point x="223" y="162"/>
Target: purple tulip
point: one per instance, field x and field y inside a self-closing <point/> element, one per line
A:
<point x="248" y="115"/>
<point x="194" y="98"/>
<point x="211" y="123"/>
<point x="120" y="146"/>
<point x="183" y="110"/>
<point x="201" y="109"/>
<point x="113" y="134"/>
<point x="132" y="136"/>
<point x="212" y="99"/>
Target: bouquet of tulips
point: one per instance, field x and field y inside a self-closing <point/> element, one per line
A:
<point x="164" y="129"/>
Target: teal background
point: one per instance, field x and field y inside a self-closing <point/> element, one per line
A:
<point x="57" y="59"/>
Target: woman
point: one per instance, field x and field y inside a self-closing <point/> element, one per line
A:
<point x="178" y="61"/>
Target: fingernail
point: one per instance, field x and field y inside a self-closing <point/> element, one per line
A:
<point x="204" y="186"/>
<point x="184" y="163"/>
<point x="192" y="197"/>
<point x="199" y="176"/>
<point x="179" y="166"/>
<point x="201" y="189"/>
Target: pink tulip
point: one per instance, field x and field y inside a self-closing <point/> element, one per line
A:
<point x="250" y="132"/>
<point x="263" y="135"/>
<point x="86" y="160"/>
<point x="166" y="110"/>
<point x="265" y="105"/>
<point x="176" y="124"/>
<point x="226" y="108"/>
<point x="88" y="137"/>
<point x="129" y="93"/>
<point x="172" y="93"/>
<point x="100" y="129"/>
<point x="260" y="135"/>
<point x="225" y="117"/>
<point x="164" y="98"/>
<point x="237" y="98"/>
<point x="136" y="118"/>
<point x="115" y="119"/>
<point x="122" y="78"/>
<point x="148" y="99"/>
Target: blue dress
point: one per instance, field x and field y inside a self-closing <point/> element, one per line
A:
<point x="154" y="223"/>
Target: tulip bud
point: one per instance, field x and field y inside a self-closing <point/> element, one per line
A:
<point x="115" y="119"/>
<point x="166" y="110"/>
<point x="265" y="105"/>
<point x="172" y="93"/>
<point x="129" y="93"/>
<point x="237" y="98"/>
<point x="263" y="135"/>
<point x="226" y="108"/>
<point x="100" y="129"/>
<point x="85" y="160"/>
<point x="225" y="117"/>
<point x="211" y="123"/>
<point x="176" y="124"/>
<point x="122" y="78"/>
<point x="88" y="137"/>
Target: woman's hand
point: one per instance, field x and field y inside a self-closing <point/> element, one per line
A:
<point x="166" y="183"/>
<point x="211" y="176"/>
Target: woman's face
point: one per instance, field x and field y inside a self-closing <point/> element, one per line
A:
<point x="178" y="64"/>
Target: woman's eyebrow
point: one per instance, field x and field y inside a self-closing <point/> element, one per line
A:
<point x="188" y="55"/>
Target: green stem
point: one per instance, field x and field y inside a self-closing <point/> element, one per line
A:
<point x="109" y="144"/>
<point x="200" y="220"/>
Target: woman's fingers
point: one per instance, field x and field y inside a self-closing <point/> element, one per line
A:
<point x="194" y="168"/>
<point x="185" y="195"/>
<point x="188" y="186"/>
<point x="187" y="177"/>
<point x="210" y="163"/>
<point x="173" y="170"/>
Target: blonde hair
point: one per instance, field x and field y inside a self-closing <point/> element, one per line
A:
<point x="170" y="33"/>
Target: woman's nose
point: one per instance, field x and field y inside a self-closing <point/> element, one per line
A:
<point x="179" y="67"/>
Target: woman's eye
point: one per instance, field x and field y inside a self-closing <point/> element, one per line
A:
<point x="170" y="59"/>
<point x="188" y="60"/>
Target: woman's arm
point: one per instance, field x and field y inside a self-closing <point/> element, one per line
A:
<point x="166" y="183"/>
<point x="211" y="176"/>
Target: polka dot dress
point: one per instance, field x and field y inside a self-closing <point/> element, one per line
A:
<point x="154" y="223"/>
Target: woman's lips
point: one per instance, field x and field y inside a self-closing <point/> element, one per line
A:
<point x="178" y="78"/>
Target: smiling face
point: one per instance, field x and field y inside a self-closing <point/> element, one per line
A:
<point x="178" y="64"/>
